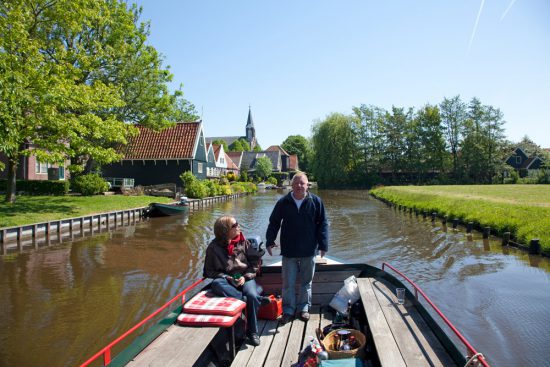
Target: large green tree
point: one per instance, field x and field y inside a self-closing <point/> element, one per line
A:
<point x="453" y="116"/>
<point x="74" y="76"/>
<point x="239" y="145"/>
<point x="297" y="144"/>
<point x="432" y="153"/>
<point x="335" y="152"/>
<point x="263" y="167"/>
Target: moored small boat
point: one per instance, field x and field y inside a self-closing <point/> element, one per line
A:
<point x="163" y="210"/>
<point x="396" y="334"/>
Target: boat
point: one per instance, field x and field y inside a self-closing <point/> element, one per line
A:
<point x="164" y="210"/>
<point x="396" y="334"/>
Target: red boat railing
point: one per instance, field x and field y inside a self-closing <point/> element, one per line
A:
<point x="106" y="352"/>
<point x="472" y="353"/>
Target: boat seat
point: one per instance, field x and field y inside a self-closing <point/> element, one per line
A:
<point x="206" y="309"/>
<point x="207" y="303"/>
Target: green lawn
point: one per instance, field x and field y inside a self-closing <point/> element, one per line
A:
<point x="36" y="209"/>
<point x="523" y="210"/>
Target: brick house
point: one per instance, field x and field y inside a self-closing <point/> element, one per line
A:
<point x="30" y="168"/>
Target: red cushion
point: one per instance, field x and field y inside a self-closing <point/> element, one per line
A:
<point x="187" y="319"/>
<point x="207" y="303"/>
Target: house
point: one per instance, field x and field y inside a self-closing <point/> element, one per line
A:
<point x="249" y="159"/>
<point x="153" y="158"/>
<point x="289" y="161"/>
<point x="30" y="168"/>
<point x="523" y="163"/>
<point x="217" y="161"/>
<point x="236" y="159"/>
<point x="250" y="134"/>
<point x="231" y="166"/>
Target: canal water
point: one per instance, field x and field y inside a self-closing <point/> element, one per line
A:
<point x="61" y="303"/>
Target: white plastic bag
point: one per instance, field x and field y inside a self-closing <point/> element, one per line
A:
<point x="348" y="293"/>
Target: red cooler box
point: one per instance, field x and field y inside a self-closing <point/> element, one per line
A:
<point x="273" y="310"/>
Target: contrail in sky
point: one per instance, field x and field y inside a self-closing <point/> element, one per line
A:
<point x="507" y="9"/>
<point x="475" y="25"/>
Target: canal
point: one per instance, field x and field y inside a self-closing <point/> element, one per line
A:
<point x="61" y="303"/>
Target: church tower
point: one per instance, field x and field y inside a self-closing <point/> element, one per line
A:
<point x="250" y="130"/>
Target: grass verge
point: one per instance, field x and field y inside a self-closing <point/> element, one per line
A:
<point x="522" y="210"/>
<point x="37" y="209"/>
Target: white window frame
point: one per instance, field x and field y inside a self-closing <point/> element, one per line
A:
<point x="41" y="168"/>
<point x="199" y="167"/>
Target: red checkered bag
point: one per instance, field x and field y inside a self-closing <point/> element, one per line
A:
<point x="205" y="302"/>
<point x="187" y="319"/>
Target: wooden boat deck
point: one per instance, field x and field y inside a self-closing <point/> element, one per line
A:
<point x="397" y="335"/>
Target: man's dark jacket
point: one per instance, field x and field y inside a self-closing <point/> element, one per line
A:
<point x="303" y="231"/>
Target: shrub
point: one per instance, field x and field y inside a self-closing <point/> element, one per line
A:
<point x="225" y="190"/>
<point x="39" y="187"/>
<point x="231" y="177"/>
<point x="91" y="184"/>
<point x="211" y="188"/>
<point x="196" y="190"/>
<point x="188" y="179"/>
<point x="272" y="180"/>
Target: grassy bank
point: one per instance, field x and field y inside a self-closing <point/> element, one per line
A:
<point x="35" y="209"/>
<point x="523" y="210"/>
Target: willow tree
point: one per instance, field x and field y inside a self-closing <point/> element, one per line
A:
<point x="334" y="161"/>
<point x="74" y="76"/>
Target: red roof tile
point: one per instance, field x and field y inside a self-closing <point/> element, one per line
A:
<point x="177" y="142"/>
<point x="217" y="149"/>
<point x="230" y="164"/>
<point x="275" y="148"/>
<point x="235" y="157"/>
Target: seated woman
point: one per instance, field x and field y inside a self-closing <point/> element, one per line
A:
<point x="233" y="275"/>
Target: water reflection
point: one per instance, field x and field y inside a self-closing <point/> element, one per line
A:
<point x="66" y="300"/>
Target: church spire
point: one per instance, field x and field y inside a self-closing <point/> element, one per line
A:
<point x="249" y="122"/>
<point x="250" y="130"/>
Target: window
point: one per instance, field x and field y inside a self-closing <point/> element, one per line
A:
<point x="41" y="167"/>
<point x="199" y="167"/>
<point x="61" y="172"/>
<point x="518" y="159"/>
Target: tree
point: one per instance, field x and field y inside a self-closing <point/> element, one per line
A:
<point x="297" y="144"/>
<point x="453" y="116"/>
<point x="483" y="142"/>
<point x="75" y="76"/>
<point x="334" y="147"/>
<point x="432" y="143"/>
<point x="368" y="131"/>
<point x="240" y="145"/>
<point x="394" y="129"/>
<point x="221" y="142"/>
<point x="263" y="167"/>
<point x="236" y="146"/>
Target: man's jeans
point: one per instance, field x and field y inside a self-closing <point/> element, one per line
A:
<point x="221" y="287"/>
<point x="303" y="268"/>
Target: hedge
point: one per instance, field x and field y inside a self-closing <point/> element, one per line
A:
<point x="39" y="187"/>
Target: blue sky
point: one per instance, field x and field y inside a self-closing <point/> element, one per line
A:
<point x="295" y="62"/>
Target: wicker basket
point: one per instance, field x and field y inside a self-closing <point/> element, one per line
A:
<point x="331" y="340"/>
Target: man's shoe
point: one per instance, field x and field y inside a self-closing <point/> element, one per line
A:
<point x="253" y="339"/>
<point x="286" y="318"/>
<point x="304" y="316"/>
<point x="264" y="300"/>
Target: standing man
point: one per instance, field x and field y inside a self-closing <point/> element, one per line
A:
<point x="304" y="229"/>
